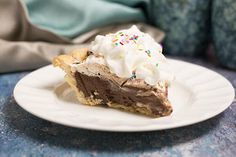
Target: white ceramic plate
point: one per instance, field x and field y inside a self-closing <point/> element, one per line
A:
<point x="196" y="94"/>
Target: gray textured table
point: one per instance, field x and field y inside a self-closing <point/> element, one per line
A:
<point x="22" y="134"/>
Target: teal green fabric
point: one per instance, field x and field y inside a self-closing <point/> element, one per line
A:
<point x="69" y="18"/>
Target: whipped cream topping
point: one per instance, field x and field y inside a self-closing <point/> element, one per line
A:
<point x="131" y="54"/>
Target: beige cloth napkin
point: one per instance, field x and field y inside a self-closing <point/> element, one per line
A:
<point x="24" y="46"/>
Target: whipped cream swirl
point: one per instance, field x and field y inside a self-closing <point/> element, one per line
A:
<point x="131" y="53"/>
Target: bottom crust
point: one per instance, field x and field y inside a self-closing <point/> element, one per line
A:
<point x="134" y="109"/>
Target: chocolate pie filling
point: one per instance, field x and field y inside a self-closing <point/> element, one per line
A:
<point x="97" y="82"/>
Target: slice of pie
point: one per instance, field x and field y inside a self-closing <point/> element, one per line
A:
<point x="102" y="79"/>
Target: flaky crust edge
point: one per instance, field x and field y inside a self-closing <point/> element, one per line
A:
<point x="64" y="62"/>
